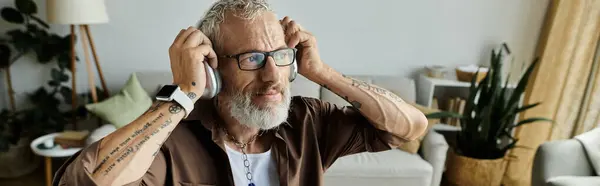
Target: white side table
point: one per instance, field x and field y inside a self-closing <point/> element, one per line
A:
<point x="48" y="154"/>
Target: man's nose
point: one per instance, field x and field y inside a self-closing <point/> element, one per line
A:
<point x="270" y="72"/>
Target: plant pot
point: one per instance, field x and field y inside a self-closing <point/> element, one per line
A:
<point x="462" y="170"/>
<point x="19" y="160"/>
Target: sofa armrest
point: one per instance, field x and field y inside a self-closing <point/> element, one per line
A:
<point x="560" y="158"/>
<point x="434" y="149"/>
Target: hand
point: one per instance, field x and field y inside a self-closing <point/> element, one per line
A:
<point x="309" y="61"/>
<point x="187" y="53"/>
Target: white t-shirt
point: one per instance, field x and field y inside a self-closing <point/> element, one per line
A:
<point x="262" y="166"/>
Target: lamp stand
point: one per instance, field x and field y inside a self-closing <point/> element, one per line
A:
<point x="85" y="38"/>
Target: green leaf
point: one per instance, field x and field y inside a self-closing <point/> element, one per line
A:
<point x="64" y="77"/>
<point x="64" y="61"/>
<point x="65" y="43"/>
<point x="509" y="146"/>
<point x="505" y="47"/>
<point x="503" y="92"/>
<point x="520" y="89"/>
<point x="44" y="53"/>
<point x="486" y="123"/>
<point x="53" y="83"/>
<point x="521" y="109"/>
<point x="443" y="114"/>
<point x="12" y="15"/>
<point x="496" y="74"/>
<point x="531" y="120"/>
<point x="471" y="98"/>
<point x="39" y="33"/>
<point x="5" y="54"/>
<point x="66" y="94"/>
<point x="56" y="75"/>
<point x="40" y="21"/>
<point x="26" y="6"/>
<point x="22" y="41"/>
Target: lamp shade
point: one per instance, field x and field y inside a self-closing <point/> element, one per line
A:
<point x="76" y="11"/>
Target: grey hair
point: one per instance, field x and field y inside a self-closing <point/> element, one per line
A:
<point x="246" y="9"/>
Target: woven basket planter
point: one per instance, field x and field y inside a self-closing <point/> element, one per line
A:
<point x="465" y="171"/>
<point x="19" y="160"/>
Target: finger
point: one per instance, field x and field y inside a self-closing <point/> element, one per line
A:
<point x="297" y="38"/>
<point x="181" y="39"/>
<point x="178" y="35"/>
<point x="209" y="55"/>
<point x="292" y="27"/>
<point x="194" y="39"/>
<point x="285" y="21"/>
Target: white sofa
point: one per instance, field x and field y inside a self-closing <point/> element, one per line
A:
<point x="393" y="167"/>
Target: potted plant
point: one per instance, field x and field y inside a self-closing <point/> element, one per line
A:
<point x="477" y="157"/>
<point x="44" y="114"/>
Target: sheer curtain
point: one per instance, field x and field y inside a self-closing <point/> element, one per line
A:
<point x="566" y="81"/>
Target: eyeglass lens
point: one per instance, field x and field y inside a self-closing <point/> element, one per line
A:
<point x="256" y="60"/>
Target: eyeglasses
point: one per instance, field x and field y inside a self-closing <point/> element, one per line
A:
<point x="257" y="60"/>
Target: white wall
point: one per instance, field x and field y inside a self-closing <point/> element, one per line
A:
<point x="355" y="37"/>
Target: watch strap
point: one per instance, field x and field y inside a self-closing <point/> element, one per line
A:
<point x="184" y="101"/>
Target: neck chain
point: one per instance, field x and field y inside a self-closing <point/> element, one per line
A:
<point x="243" y="146"/>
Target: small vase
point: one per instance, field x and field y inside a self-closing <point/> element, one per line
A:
<point x="462" y="170"/>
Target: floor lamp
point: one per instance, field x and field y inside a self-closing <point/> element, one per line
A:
<point x="80" y="13"/>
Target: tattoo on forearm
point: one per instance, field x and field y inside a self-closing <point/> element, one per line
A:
<point x="193" y="83"/>
<point x="154" y="107"/>
<point x="174" y="109"/>
<point x="134" y="148"/>
<point x="126" y="141"/>
<point x="191" y="95"/>
<point x="355" y="104"/>
<point x="376" y="89"/>
<point x="163" y="142"/>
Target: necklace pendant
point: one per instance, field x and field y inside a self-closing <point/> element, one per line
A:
<point x="251" y="184"/>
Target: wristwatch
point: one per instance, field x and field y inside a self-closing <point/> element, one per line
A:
<point x="173" y="93"/>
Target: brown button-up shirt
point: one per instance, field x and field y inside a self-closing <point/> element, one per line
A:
<point x="315" y="135"/>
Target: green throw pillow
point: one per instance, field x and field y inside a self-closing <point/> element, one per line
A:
<point x="121" y="109"/>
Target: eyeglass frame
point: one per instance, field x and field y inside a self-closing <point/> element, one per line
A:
<point x="267" y="55"/>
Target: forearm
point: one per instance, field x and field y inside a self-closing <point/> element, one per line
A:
<point x="385" y="110"/>
<point x="126" y="154"/>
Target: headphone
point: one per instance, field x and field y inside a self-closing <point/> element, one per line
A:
<point x="214" y="83"/>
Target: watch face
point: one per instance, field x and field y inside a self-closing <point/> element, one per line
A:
<point x="166" y="91"/>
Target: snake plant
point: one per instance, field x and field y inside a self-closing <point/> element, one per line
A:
<point x="488" y="119"/>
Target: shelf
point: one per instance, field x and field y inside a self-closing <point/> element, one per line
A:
<point x="427" y="88"/>
<point x="452" y="83"/>
<point x="446" y="82"/>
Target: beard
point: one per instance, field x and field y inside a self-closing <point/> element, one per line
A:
<point x="251" y="115"/>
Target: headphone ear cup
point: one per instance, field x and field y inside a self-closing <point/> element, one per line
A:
<point x="293" y="71"/>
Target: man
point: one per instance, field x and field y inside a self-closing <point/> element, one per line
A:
<point x="253" y="132"/>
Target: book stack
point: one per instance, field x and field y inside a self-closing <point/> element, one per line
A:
<point x="456" y="105"/>
<point x="71" y="139"/>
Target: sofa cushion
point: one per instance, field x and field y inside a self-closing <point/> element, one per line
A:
<point x="403" y="87"/>
<point x="124" y="107"/>
<point x="151" y="81"/>
<point x="392" y="167"/>
<point x="574" y="180"/>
